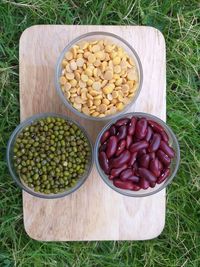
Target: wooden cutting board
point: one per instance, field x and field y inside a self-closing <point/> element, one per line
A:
<point x="94" y="212"/>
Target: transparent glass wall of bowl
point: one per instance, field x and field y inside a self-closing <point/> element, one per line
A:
<point x="173" y="166"/>
<point x="91" y="37"/>
<point x="10" y="160"/>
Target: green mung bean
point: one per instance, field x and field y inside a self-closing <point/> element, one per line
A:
<point x="51" y="155"/>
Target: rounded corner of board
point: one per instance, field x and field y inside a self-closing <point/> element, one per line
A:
<point x="26" y="32"/>
<point x="31" y="235"/>
<point x="158" y="233"/>
<point x="160" y="35"/>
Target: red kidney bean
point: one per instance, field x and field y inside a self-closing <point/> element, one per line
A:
<point x="141" y="152"/>
<point x="128" y="141"/>
<point x="113" y="130"/>
<point x="111" y="146"/>
<point x="120" y="147"/>
<point x="105" y="136"/>
<point x="141" y="128"/>
<point x="122" y="122"/>
<point x="163" y="157"/>
<point x="138" y="145"/>
<point x="135" y="169"/>
<point x="143" y="183"/>
<point x="123" y="184"/>
<point x="154" y="167"/>
<point x="167" y="149"/>
<point x="125" y="174"/>
<point x="160" y="165"/>
<point x="123" y="158"/>
<point x="164" y="136"/>
<point x="149" y="134"/>
<point x="163" y="176"/>
<point x="103" y="161"/>
<point x="144" y="161"/>
<point x="156" y="127"/>
<point x="136" y="187"/>
<point x="135" y="139"/>
<point x="146" y="174"/>
<point x="132" y="159"/>
<point x="136" y="172"/>
<point x="135" y="165"/>
<point x="116" y="171"/>
<point x="152" y="155"/>
<point x="152" y="184"/>
<point x="103" y="147"/>
<point x="155" y="143"/>
<point x="122" y="132"/>
<point x="134" y="178"/>
<point x="131" y="126"/>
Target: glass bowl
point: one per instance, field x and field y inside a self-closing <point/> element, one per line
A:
<point x="173" y="166"/>
<point x="10" y="162"/>
<point x="99" y="36"/>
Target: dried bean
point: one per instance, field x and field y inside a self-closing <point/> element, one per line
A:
<point x="152" y="155"/>
<point x="135" y="139"/>
<point x="125" y="174"/>
<point x="149" y="134"/>
<point x="141" y="128"/>
<point x="139" y="145"/>
<point x="146" y="174"/>
<point x="160" y="166"/>
<point x="143" y="183"/>
<point x="156" y="127"/>
<point x="163" y="157"/>
<point x="155" y="143"/>
<point x="123" y="185"/>
<point x="136" y="187"/>
<point x="122" y="132"/>
<point x="128" y="141"/>
<point x="167" y="149"/>
<point x="144" y="161"/>
<point x="120" y="148"/>
<point x="103" y="147"/>
<point x="164" y="136"/>
<point x="103" y="161"/>
<point x="116" y="171"/>
<point x="111" y="146"/>
<point x="122" y="122"/>
<point x="113" y="130"/>
<point x="154" y="167"/>
<point x="132" y="159"/>
<point x="152" y="184"/>
<point x="163" y="176"/>
<point x="131" y="126"/>
<point x="141" y="152"/>
<point x="123" y="158"/>
<point x="105" y="136"/>
<point x="134" y="178"/>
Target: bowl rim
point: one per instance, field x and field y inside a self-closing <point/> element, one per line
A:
<point x="12" y="139"/>
<point x="134" y="194"/>
<point x="58" y="87"/>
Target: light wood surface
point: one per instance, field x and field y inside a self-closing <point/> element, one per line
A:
<point x="94" y="212"/>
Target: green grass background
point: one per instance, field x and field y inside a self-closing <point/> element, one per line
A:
<point x="179" y="244"/>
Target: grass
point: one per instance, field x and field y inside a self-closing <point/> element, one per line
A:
<point x="179" y="244"/>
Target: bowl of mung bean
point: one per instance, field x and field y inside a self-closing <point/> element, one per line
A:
<point x="49" y="155"/>
<point x="98" y="76"/>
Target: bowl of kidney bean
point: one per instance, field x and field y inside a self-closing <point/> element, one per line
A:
<point x="137" y="154"/>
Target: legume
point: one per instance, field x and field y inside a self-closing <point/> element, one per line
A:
<point x="51" y="154"/>
<point x="98" y="69"/>
<point x="135" y="153"/>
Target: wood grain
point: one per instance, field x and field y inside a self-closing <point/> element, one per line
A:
<point x="94" y="212"/>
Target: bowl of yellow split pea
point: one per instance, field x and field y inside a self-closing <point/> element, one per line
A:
<point x="98" y="76"/>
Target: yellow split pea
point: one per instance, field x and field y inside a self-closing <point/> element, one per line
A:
<point x="98" y="77"/>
